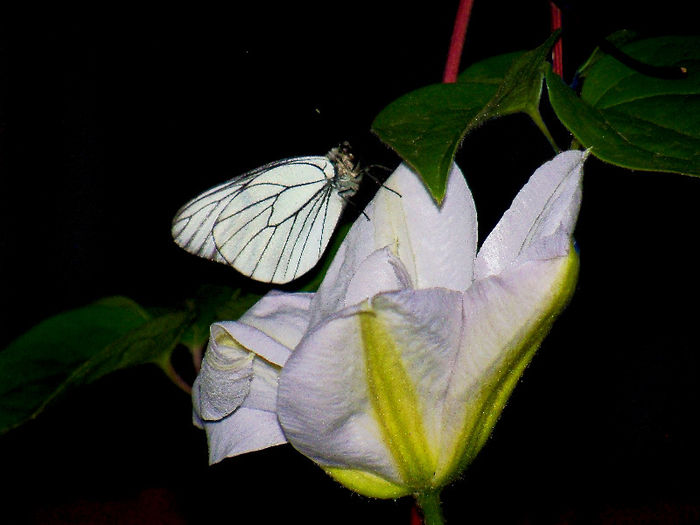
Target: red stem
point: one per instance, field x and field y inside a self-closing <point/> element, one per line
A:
<point x="459" y="33"/>
<point x="416" y="518"/>
<point x="557" y="52"/>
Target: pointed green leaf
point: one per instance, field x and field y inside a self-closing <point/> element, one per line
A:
<point x="521" y="88"/>
<point x="643" y="114"/>
<point x="426" y="126"/>
<point x="35" y="364"/>
<point x="78" y="347"/>
<point x="152" y="342"/>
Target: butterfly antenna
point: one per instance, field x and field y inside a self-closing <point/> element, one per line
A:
<point x="349" y="202"/>
<point x="366" y="171"/>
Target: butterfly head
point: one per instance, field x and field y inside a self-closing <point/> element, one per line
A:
<point x="347" y="174"/>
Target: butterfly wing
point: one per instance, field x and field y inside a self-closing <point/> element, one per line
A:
<point x="272" y="224"/>
<point x="193" y="224"/>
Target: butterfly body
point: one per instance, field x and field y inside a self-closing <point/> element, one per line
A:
<point x="273" y="223"/>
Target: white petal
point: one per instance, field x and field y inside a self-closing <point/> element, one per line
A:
<point x="436" y="246"/>
<point x="379" y="272"/>
<point x="547" y="205"/>
<point x="237" y="405"/>
<point x="426" y="326"/>
<point x="281" y="316"/>
<point x="224" y="379"/>
<point x="243" y="358"/>
<point x="245" y="430"/>
<point x="331" y="294"/>
<point x="323" y="405"/>
<point x="252" y="340"/>
<point x="504" y="316"/>
<point x="263" y="389"/>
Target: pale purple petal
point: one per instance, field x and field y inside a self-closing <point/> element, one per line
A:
<point x="253" y="340"/>
<point x="426" y="326"/>
<point x="546" y="206"/>
<point x="331" y="294"/>
<point x="379" y="272"/>
<point x="282" y="316"/>
<point x="502" y="315"/>
<point x="324" y="405"/>
<point x="246" y="430"/>
<point x="436" y="245"/>
<point x="238" y="380"/>
<point x="224" y="379"/>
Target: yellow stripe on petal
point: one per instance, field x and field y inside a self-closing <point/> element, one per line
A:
<point x="396" y="404"/>
<point x="367" y="484"/>
<point x="486" y="407"/>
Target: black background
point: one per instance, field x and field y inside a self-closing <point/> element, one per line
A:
<point x="112" y="119"/>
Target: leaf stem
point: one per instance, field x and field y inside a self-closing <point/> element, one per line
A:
<point x="557" y="51"/>
<point x="459" y="33"/>
<point x="169" y="369"/>
<point x="429" y="503"/>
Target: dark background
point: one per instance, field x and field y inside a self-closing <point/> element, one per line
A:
<point x="111" y="120"/>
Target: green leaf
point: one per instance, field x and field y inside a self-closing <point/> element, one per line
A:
<point x="36" y="363"/>
<point x="152" y="342"/>
<point x="78" y="347"/>
<point x="491" y="71"/>
<point x="426" y="126"/>
<point x="644" y="115"/>
<point x="521" y="89"/>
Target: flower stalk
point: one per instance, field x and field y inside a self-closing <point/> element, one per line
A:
<point x="459" y="33"/>
<point x="429" y="504"/>
<point x="557" y="51"/>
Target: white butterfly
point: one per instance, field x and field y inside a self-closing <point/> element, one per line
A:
<point x="273" y="223"/>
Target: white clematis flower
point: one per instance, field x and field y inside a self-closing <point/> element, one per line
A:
<point x="393" y="374"/>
